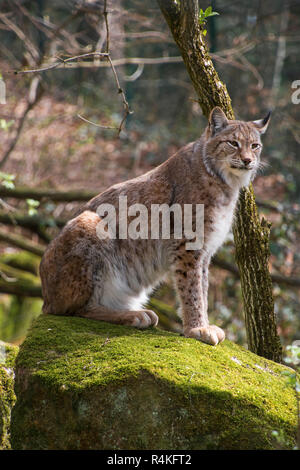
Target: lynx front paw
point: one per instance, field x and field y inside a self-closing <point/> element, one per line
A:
<point x="142" y="319"/>
<point x="210" y="334"/>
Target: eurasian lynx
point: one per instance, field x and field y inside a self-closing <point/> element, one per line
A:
<point x="109" y="279"/>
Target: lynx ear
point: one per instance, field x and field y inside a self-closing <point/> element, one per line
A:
<point x="262" y="124"/>
<point x="217" y="120"/>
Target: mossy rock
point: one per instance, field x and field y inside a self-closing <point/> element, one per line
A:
<point x="83" y="384"/>
<point x="7" y="396"/>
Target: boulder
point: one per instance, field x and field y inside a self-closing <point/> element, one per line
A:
<point x="8" y="354"/>
<point x="83" y="384"/>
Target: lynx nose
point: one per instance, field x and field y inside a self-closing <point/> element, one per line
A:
<point x="247" y="161"/>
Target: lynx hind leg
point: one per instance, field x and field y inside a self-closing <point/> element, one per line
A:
<point x="69" y="291"/>
<point x="138" y="319"/>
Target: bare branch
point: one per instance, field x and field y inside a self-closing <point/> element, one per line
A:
<point x="22" y="36"/>
<point x="19" y="289"/>
<point x="21" y="242"/>
<point x="33" y="96"/>
<point x="61" y="62"/>
<point x="36" y="224"/>
<point x="95" y="124"/>
<point x="52" y="194"/>
<point x="105" y="13"/>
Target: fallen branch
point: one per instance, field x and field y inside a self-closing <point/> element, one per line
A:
<point x="35" y="223"/>
<point x="18" y="282"/>
<point x="277" y="278"/>
<point x="19" y="289"/>
<point x="53" y="194"/>
<point x="21" y="242"/>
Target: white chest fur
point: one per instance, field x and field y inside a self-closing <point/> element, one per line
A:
<point x="219" y="229"/>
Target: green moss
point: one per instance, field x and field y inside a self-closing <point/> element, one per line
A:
<point x="75" y="377"/>
<point x="7" y="396"/>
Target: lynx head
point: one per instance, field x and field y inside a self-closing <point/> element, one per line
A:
<point x="232" y="148"/>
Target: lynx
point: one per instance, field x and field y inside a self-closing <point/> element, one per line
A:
<point x="110" y="279"/>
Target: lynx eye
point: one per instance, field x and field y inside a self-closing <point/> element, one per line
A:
<point x="255" y="146"/>
<point x="233" y="143"/>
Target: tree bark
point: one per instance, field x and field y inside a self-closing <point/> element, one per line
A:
<point x="250" y="234"/>
<point x="251" y="237"/>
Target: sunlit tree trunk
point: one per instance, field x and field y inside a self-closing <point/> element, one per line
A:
<point x="250" y="234"/>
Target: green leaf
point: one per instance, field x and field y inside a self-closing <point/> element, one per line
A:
<point x="7" y="180"/>
<point x="32" y="211"/>
<point x="7" y="176"/>
<point x="4" y="124"/>
<point x="208" y="11"/>
<point x="8" y="184"/>
<point x="203" y="15"/>
<point x="32" y="202"/>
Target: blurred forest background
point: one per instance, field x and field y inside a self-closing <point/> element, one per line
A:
<point x="52" y="159"/>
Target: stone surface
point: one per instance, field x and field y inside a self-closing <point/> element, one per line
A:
<point x="83" y="384"/>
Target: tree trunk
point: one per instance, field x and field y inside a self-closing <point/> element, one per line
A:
<point x="250" y="234"/>
<point x="251" y="237"/>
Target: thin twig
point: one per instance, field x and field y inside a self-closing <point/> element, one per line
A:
<point x="116" y="63"/>
<point x="60" y="62"/>
<point x="121" y="92"/>
<point x="105" y="14"/>
<point x="95" y="124"/>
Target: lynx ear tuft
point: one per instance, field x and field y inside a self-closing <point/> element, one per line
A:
<point x="262" y="124"/>
<point x="217" y="120"/>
